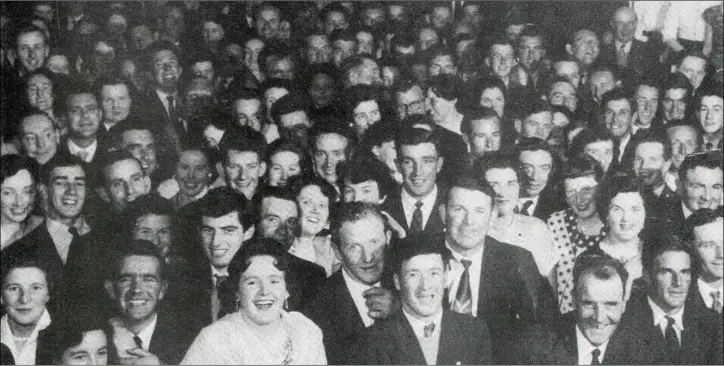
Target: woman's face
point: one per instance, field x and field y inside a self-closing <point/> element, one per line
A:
<point x="92" y="350"/>
<point x="493" y="98"/>
<point x="262" y="291"/>
<point x="626" y="216"/>
<point x="18" y="197"/>
<point x="40" y="93"/>
<point x="284" y="165"/>
<point x="581" y="196"/>
<point x="314" y="208"/>
<point x="193" y="172"/>
<point x="365" y="115"/>
<point x="438" y="108"/>
<point x="24" y="295"/>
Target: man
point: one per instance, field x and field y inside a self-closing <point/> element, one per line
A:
<point x="366" y="180"/>
<point x="330" y="147"/>
<point x="290" y="115"/>
<point x="344" y="46"/>
<point x="569" y="70"/>
<point x="317" y="49"/>
<point x="334" y="16"/>
<point x="677" y="94"/>
<point x="441" y="60"/>
<point x="703" y="232"/>
<point x="415" y="204"/>
<point x="647" y="105"/>
<point x="64" y="246"/>
<point x="244" y="165"/>
<point x="538" y="123"/>
<point x="409" y="99"/>
<point x="84" y="118"/>
<point x="139" y="139"/>
<point x="481" y="132"/>
<point x="501" y="60"/>
<point x="352" y="299"/>
<point x="626" y="52"/>
<point x="539" y="195"/>
<point x="490" y="280"/>
<point x="32" y="49"/>
<point x="425" y="332"/>
<point x="268" y="21"/>
<point x="531" y="53"/>
<point x="114" y="95"/>
<point x="661" y="320"/>
<point x="693" y="66"/>
<point x="360" y="69"/>
<point x="711" y="118"/>
<point x="701" y="179"/>
<point x="584" y="46"/>
<point x="39" y="138"/>
<point x="652" y="159"/>
<point x="143" y="334"/>
<point x="563" y="92"/>
<point x="684" y="140"/>
<point x="618" y="116"/>
<point x="150" y="218"/>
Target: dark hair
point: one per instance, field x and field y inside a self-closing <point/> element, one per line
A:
<point x="709" y="160"/>
<point x="68" y="331"/>
<point x="332" y="7"/>
<point x="157" y="47"/>
<point x="472" y="183"/>
<point x="346" y="35"/>
<point x="355" y="211"/>
<point x="326" y="127"/>
<point x="601" y="265"/>
<point x="402" y="40"/>
<point x="298" y="183"/>
<point x="142" y="248"/>
<point x="588" y="136"/>
<point x="64" y="161"/>
<point x="356" y="94"/>
<point x="241" y="142"/>
<point x="414" y="245"/>
<point x="259" y="247"/>
<point x="536" y="144"/>
<point x="112" y="157"/>
<point x="364" y="168"/>
<point x="202" y="56"/>
<point x="665" y="242"/>
<point x="132" y="123"/>
<point x="12" y="164"/>
<point x="657" y="137"/>
<point x="413" y="135"/>
<point x="378" y="133"/>
<point x="700" y="217"/>
<point x="29" y="28"/>
<point x="282" y="193"/>
<point x="582" y="165"/>
<point x="503" y="159"/>
<point x="677" y="81"/>
<point x="439" y="50"/>
<point x="289" y="103"/>
<point x="474" y="89"/>
<point x="282" y="145"/>
<point x="612" y="187"/>
<point x="222" y="201"/>
<point x="352" y="65"/>
<point x="114" y="80"/>
<point x="533" y="31"/>
<point x="616" y="94"/>
<point x="9" y="264"/>
<point x="475" y="114"/>
<point x="148" y="204"/>
<point x="448" y="87"/>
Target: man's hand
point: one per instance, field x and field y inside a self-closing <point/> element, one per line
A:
<point x="140" y="356"/>
<point x="381" y="302"/>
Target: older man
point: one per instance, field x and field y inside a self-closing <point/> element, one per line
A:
<point x="626" y="51"/>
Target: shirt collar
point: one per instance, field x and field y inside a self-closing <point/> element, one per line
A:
<point x="6" y="335"/>
<point x="586" y="348"/>
<point x="687" y="212"/>
<point x="476" y="257"/>
<point x="706" y="290"/>
<point x="627" y="47"/>
<point x="219" y="272"/>
<point x="147" y="332"/>
<point x="418" y="325"/>
<point x="427" y="201"/>
<point x="660" y="315"/>
<point x="57" y="226"/>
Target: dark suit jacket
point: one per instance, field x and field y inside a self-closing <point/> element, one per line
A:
<point x="152" y="109"/>
<point x="626" y="163"/>
<point x="701" y="339"/>
<point x="463" y="340"/>
<point x="454" y="150"/>
<point x="642" y="58"/>
<point x="171" y="338"/>
<point x="334" y="311"/>
<point x="551" y="200"/>
<point x="434" y="225"/>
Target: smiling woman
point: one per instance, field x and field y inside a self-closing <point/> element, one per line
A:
<point x="261" y="331"/>
<point x="18" y="199"/>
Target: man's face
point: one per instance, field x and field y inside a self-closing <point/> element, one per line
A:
<point x="273" y="94"/>
<point x="44" y="11"/>
<point x="367" y="191"/>
<point x="172" y="23"/>
<point x="618" y="117"/>
<point x="537" y="166"/>
<point x="585" y="47"/>
<point x="243" y="170"/>
<point x="141" y="37"/>
<point x="213" y="32"/>
<point x="166" y="70"/>
<point x="335" y="20"/>
<point x="66" y="193"/>
<point x="467" y="218"/>
<point x="193" y="172"/>
<point x="318" y="50"/>
<point x="694" y="68"/>
<point x="373" y="17"/>
<point x="531" y="52"/>
<point x="142" y="145"/>
<point x="703" y="188"/>
<point x="674" y="104"/>
<point x="711" y="114"/>
<point x="421" y="283"/>
<point x="569" y="70"/>
<point x="32" y="50"/>
<point x="284" y="165"/>
<point x="624" y="25"/>
<point x="365" y="42"/>
<point x="329" y="150"/>
<point x="279" y="220"/>
<point x="507" y="188"/>
<point x="24" y="295"/>
<point x="647" y="102"/>
<point x="369" y="73"/>
<point x="397" y="12"/>
<point x="321" y="90"/>
<point x="439" y="109"/>
<point x="426" y="38"/>
<point x="538" y="125"/>
<point x="441" y="17"/>
<point x="513" y="31"/>
<point x="650" y="164"/>
<point x="294" y="126"/>
<point x="85" y="115"/>
<point x="684" y="140"/>
<point x="581" y="196"/>
<point x="40" y="92"/>
<point x="116" y="102"/>
<point x="365" y="115"/>
<point x="472" y="13"/>
<point x="410" y="102"/>
<point x="442" y="65"/>
<point x="204" y="69"/>
<point x="59" y="64"/>
<point x="419" y="165"/>
<point x="601" y="151"/>
<point x="138" y="288"/>
<point x="39" y="138"/>
<point x="125" y="181"/>
<point x="362" y="244"/>
<point x="484" y="136"/>
<point x="564" y="94"/>
<point x="502" y="59"/>
<point x="221" y="238"/>
<point x="248" y="113"/>
<point x="493" y="98"/>
<point x="599" y="307"/>
<point x="252" y="48"/>
<point x="268" y="23"/>
<point x="626" y="216"/>
<point x="670" y="280"/>
<point x="601" y="82"/>
<point x="282" y="69"/>
<point x="708" y="245"/>
<point x="156" y="229"/>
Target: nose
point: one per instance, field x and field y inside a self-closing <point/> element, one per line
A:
<point x="580" y="198"/>
<point x="40" y="142"/>
<point x="466" y="219"/>
<point x="262" y="288"/>
<point x="488" y="143"/>
<point x="367" y="256"/>
<point x="707" y="194"/>
<point x="24" y="296"/>
<point x="71" y="189"/>
<point x="676" y="280"/>
<point x="682" y="150"/>
<point x="600" y="316"/>
<point x="135" y="285"/>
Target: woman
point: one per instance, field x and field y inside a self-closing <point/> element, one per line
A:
<point x="19" y="176"/>
<point x="41" y="93"/>
<point x="578" y="227"/>
<point x="81" y="339"/>
<point x="261" y="331"/>
<point x="194" y="174"/>
<point x="363" y="108"/>
<point x="25" y="292"/>
<point x="490" y="93"/>
<point x="316" y="199"/>
<point x="286" y="160"/>
<point x="441" y="102"/>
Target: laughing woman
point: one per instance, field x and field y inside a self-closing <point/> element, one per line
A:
<point x="261" y="332"/>
<point x="18" y="175"/>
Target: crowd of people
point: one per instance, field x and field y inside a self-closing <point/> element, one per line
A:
<point x="361" y="182"/>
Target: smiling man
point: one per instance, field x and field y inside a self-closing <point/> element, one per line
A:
<point x="703" y="231"/>
<point x="652" y="160"/>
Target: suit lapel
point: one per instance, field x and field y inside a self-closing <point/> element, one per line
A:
<point x="345" y="304"/>
<point x="407" y="345"/>
<point x="397" y="211"/>
<point x="486" y="277"/>
<point x="448" y="352"/>
<point x="570" y="347"/>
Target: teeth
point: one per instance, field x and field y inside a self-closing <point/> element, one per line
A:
<point x="137" y="302"/>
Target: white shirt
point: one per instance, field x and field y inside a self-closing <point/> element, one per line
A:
<point x="531" y="209"/>
<point x="78" y="151"/>
<point x="25" y="355"/>
<point x="428" y="204"/>
<point x="147" y="333"/>
<point x="529" y="233"/>
<point x="651" y="15"/>
<point x="660" y="319"/>
<point x="706" y="290"/>
<point x="164" y="99"/>
<point x="418" y="326"/>
<point x="356" y="289"/>
<point x="430" y="345"/>
<point x="456" y="270"/>
<point x="684" y="21"/>
<point x="585" y="349"/>
<point x="626" y="47"/>
<point x="686" y="210"/>
<point x="62" y="237"/>
<point x="215" y="272"/>
<point x="622" y="145"/>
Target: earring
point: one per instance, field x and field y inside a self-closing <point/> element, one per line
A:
<point x="238" y="304"/>
<point x="286" y="304"/>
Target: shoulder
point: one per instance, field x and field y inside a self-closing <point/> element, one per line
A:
<point x="505" y="249"/>
<point x="531" y="222"/>
<point x="303" y="325"/>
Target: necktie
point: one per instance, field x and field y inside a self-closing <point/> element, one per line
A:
<point x="716" y="304"/>
<point x="672" y="340"/>
<point x="526" y="206"/>
<point x="172" y="115"/>
<point x="429" y="329"/>
<point x="75" y="249"/>
<point x="617" y="152"/>
<point x="175" y="129"/>
<point x="463" y="298"/>
<point x="216" y="296"/>
<point x="622" y="57"/>
<point x="138" y="341"/>
<point x="594" y="356"/>
<point x="83" y="155"/>
<point x="416" y="224"/>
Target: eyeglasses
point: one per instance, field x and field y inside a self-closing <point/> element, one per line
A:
<point x="416" y="106"/>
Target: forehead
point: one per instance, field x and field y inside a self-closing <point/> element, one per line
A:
<point x="710" y="231"/>
<point x="236" y="156"/>
<point x="693" y="62"/>
<point x="501" y="49"/>
<point x="545" y="117"/>
<point x="422" y="262"/>
<point x="647" y="91"/>
<point x="140" y="264"/>
<point x="204" y="64"/>
<point x="330" y="141"/>
<point x="335" y="15"/>
<point x="618" y="104"/>
<point x="650" y="148"/>
<point x="39" y="79"/>
<point x="701" y="173"/>
<point x="151" y="219"/>
<point x="419" y="150"/>
<point x="536" y="157"/>
<point x="163" y="55"/>
<point x="254" y="43"/>
<point x="21" y="178"/>
<point x="247" y="104"/>
<point x="33" y="37"/>
<point x="675" y="93"/>
<point x="486" y="124"/>
<point x="269" y="13"/>
<point x="711" y="100"/>
<point x="312" y="190"/>
<point x="318" y="39"/>
<point x="442" y="59"/>
<point x="600" y="145"/>
<point x="137" y="136"/>
<point x="563" y="87"/>
<point x="67" y="171"/>
<point x="413" y="94"/>
<point x="114" y="89"/>
<point x="602" y="76"/>
<point x="231" y="218"/>
<point x="501" y="174"/>
<point x="81" y="99"/>
<point x="262" y="265"/>
<point x="369" y="225"/>
<point x="366" y="105"/>
<point x="492" y="92"/>
<point x="211" y="24"/>
<point x="585" y="36"/>
<point x="673" y="260"/>
<point x="278" y="206"/>
<point x="427" y="33"/>
<point x="192" y="156"/>
<point x="627" y="199"/>
<point x="531" y="41"/>
<point x="460" y="195"/>
<point x="593" y="288"/>
<point x="624" y="15"/>
<point x="36" y="123"/>
<point x="274" y="91"/>
<point x="566" y="66"/>
<point x="25" y="275"/>
<point x="125" y="166"/>
<point x="682" y="132"/>
<point x="285" y="157"/>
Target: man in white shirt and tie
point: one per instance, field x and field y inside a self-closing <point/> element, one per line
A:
<point x="537" y="196"/>
<point x="84" y="116"/>
<point x="703" y="231"/>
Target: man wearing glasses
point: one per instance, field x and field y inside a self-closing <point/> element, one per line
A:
<point x="409" y="99"/>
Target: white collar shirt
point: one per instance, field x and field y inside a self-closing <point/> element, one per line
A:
<point x="622" y="145"/>
<point x="706" y="291"/>
<point x="531" y="208"/>
<point x="84" y="153"/>
<point x="164" y="99"/>
<point x="428" y="204"/>
<point x="356" y="289"/>
<point x="660" y="319"/>
<point x="418" y="326"/>
<point x="686" y="210"/>
<point x="215" y="272"/>
<point x="147" y="333"/>
<point x="627" y="46"/>
<point x="585" y="349"/>
<point x="62" y="238"/>
<point x="456" y="271"/>
<point x="26" y="354"/>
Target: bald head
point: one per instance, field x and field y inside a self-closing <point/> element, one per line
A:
<point x="624" y="24"/>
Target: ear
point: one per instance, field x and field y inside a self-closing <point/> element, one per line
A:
<point x="569" y="49"/>
<point x="396" y="280"/>
<point x="262" y="169"/>
<point x="164" y="287"/>
<point x="518" y="125"/>
<point x="249" y="233"/>
<point x="487" y="61"/>
<point x="440" y="162"/>
<point x="109" y="289"/>
<point x="442" y="210"/>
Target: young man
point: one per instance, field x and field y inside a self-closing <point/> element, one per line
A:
<point x="539" y="196"/>
<point x="703" y="232"/>
<point x="652" y="160"/>
<point x="481" y="131"/>
<point x="330" y="147"/>
<point x="711" y="118"/>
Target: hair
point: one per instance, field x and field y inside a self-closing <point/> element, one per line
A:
<point x="588" y="136"/>
<point x="612" y="187"/>
<point x="657" y="137"/>
<point x="379" y="133"/>
<point x="475" y="114"/>
<point x="352" y="65"/>
<point x="503" y="159"/>
<point x="132" y="123"/>
<point x="13" y="164"/>
<point x="29" y="28"/>
<point x="601" y="265"/>
<point x="276" y="83"/>
<point x="472" y="183"/>
<point x="616" y="94"/>
<point x="282" y="145"/>
<point x="709" y="160"/>
<point x="64" y="161"/>
<point x="404" y="40"/>
<point x="439" y="50"/>
<point x="499" y="41"/>
<point x="665" y="242"/>
<point x="326" y="127"/>
<point x="700" y="217"/>
<point x="474" y="89"/>
<point x="414" y="245"/>
<point x="533" y="31"/>
<point x="363" y="169"/>
<point x="413" y="134"/>
<point x="677" y="81"/>
<point x="112" y="157"/>
<point x="114" y="80"/>
<point x="282" y="193"/>
<point x="332" y="7"/>
<point x="202" y="56"/>
<point x="289" y="103"/>
<point x="446" y="86"/>
<point x="582" y="165"/>
<point x="143" y="248"/>
<point x="149" y="204"/>
<point x="259" y="247"/>
<point x="157" y="47"/>
<point x="539" y="106"/>
<point x="356" y="94"/>
<point x="241" y="142"/>
<point x="298" y="183"/>
<point x="69" y="330"/>
<point x="536" y="144"/>
<point x="8" y="264"/>
<point x="222" y="201"/>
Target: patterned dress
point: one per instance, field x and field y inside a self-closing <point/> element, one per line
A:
<point x="568" y="244"/>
